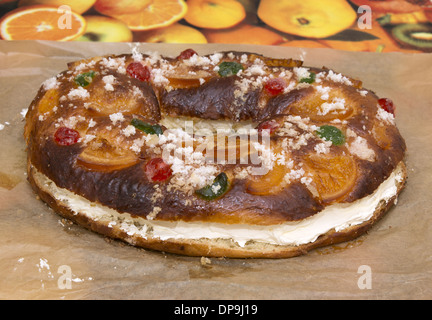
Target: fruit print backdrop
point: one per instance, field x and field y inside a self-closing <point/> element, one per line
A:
<point x="392" y="25"/>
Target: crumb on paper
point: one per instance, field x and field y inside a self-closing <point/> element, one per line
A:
<point x="205" y="261"/>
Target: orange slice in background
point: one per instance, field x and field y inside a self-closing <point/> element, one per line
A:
<point x="157" y="14"/>
<point x="42" y="23"/>
<point x="333" y="176"/>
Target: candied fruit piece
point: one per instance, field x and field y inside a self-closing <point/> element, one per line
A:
<point x="138" y="71"/>
<point x="217" y="189"/>
<point x="331" y="133"/>
<point x="271" y="126"/>
<point x="269" y="183"/>
<point x="146" y="127"/>
<point x="186" y="54"/>
<point x="275" y="86"/>
<point x="84" y="79"/>
<point x="157" y="170"/>
<point x="310" y="79"/>
<point x="229" y="68"/>
<point x="333" y="176"/>
<point x="65" y="136"/>
<point x="387" y="105"/>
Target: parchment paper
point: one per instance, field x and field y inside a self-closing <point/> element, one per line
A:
<point x="39" y="250"/>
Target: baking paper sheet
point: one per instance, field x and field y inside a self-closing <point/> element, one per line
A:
<point x="43" y="256"/>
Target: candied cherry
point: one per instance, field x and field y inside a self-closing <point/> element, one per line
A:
<point x="186" y="54"/>
<point x="271" y="126"/>
<point x="138" y="71"/>
<point x="157" y="170"/>
<point x="66" y="136"/>
<point x="387" y="105"/>
<point x="275" y="86"/>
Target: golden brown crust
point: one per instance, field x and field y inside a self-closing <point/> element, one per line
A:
<point x="308" y="172"/>
<point x="218" y="247"/>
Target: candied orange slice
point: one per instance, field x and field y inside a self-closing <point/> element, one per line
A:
<point x="102" y="156"/>
<point x="184" y="82"/>
<point x="382" y="138"/>
<point x="333" y="176"/>
<point x="48" y="101"/>
<point x="288" y="63"/>
<point x="270" y="183"/>
<point x="336" y="106"/>
<point x="104" y="153"/>
<point x="109" y="102"/>
<point x="179" y="81"/>
<point x="185" y="77"/>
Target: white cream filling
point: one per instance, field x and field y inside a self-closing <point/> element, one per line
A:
<point x="337" y="216"/>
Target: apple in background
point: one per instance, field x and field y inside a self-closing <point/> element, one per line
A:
<point x="117" y="7"/>
<point x="104" y="29"/>
<point x="78" y="6"/>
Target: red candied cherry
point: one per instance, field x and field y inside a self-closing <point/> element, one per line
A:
<point x="157" y="170"/>
<point x="186" y="54"/>
<point x="138" y="71"/>
<point x="66" y="136"/>
<point x="387" y="105"/>
<point x="270" y="125"/>
<point x="275" y="86"/>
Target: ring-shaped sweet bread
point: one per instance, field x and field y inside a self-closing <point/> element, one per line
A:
<point x="229" y="154"/>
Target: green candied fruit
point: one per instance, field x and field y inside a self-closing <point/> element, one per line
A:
<point x="227" y="69"/>
<point x="146" y="127"/>
<point x="84" y="79"/>
<point x="310" y="79"/>
<point x="217" y="189"/>
<point x="331" y="133"/>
